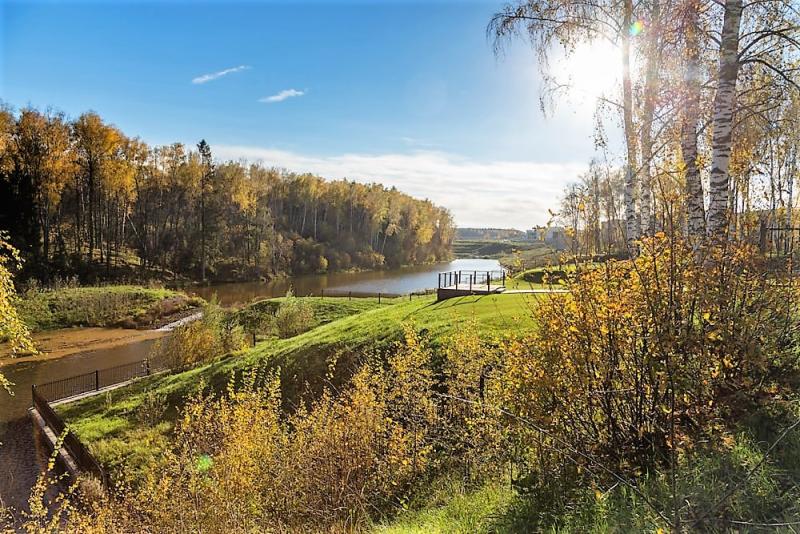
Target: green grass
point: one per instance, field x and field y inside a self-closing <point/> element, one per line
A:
<point x="108" y="423"/>
<point x="501" y="249"/>
<point x="522" y="259"/>
<point x="128" y="306"/>
<point x="451" y="508"/>
<point x="326" y="310"/>
<point x="714" y="487"/>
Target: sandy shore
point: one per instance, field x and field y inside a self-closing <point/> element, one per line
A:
<point x="66" y="341"/>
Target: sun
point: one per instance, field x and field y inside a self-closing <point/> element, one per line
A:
<point x="589" y="73"/>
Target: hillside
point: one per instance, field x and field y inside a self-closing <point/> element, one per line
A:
<point x="346" y="331"/>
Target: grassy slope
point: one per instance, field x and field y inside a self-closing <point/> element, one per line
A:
<point x="767" y="495"/>
<point x="328" y="309"/>
<point x="108" y="423"/>
<point x="528" y="258"/>
<point x="128" y="306"/>
<point x="534" y="253"/>
<point x="450" y="508"/>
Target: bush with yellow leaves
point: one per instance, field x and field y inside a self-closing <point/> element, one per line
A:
<point x="197" y="342"/>
<point x="239" y="464"/>
<point x="638" y="357"/>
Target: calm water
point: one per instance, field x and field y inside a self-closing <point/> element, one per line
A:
<point x="21" y="453"/>
<point x="390" y="282"/>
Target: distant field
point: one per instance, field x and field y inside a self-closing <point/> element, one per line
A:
<point x="506" y="251"/>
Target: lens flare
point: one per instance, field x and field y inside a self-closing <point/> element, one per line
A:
<point x="204" y="463"/>
<point x="636" y="28"/>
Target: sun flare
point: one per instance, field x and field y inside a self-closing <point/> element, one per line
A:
<point x="589" y="73"/>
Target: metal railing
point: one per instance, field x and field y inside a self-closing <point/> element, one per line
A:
<point x="96" y="380"/>
<point x="85" y="461"/>
<point x="472" y="279"/>
<point x="44" y="394"/>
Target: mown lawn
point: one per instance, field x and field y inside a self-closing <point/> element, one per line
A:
<point x="111" y="423"/>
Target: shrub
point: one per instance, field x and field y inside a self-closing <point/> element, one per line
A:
<point x="294" y="316"/>
<point x="639" y="346"/>
<point x="152" y="408"/>
<point x="240" y="464"/>
<point x="200" y="341"/>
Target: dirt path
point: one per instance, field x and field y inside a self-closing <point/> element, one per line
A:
<point x="66" y="341"/>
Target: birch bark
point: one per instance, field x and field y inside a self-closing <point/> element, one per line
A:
<point x="724" y="106"/>
<point x="632" y="227"/>
<point x="695" y="204"/>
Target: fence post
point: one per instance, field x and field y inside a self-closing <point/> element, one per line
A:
<point x="97" y="380"/>
<point x="488" y="281"/>
<point x="147" y="360"/>
<point x="504" y="278"/>
<point x="322" y="293"/>
<point x="349" y="295"/>
<point x="379" y="298"/>
<point x="470" y="283"/>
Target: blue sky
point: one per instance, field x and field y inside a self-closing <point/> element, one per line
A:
<point x="408" y="94"/>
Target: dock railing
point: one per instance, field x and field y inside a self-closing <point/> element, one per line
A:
<point x="472" y="280"/>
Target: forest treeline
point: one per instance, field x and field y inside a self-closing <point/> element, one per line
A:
<point x="79" y="197"/>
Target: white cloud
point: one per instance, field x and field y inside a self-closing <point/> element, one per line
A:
<point x="283" y="95"/>
<point x="219" y="74"/>
<point x="498" y="193"/>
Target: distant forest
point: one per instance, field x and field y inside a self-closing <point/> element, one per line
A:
<point x="78" y="197"/>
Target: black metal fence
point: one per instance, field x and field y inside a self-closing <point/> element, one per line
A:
<point x="44" y="394"/>
<point x="96" y="380"/>
<point x="85" y="461"/>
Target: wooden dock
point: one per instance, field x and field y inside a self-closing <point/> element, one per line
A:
<point x="462" y="283"/>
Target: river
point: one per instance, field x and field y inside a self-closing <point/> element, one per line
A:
<point x="21" y="454"/>
<point x="389" y="282"/>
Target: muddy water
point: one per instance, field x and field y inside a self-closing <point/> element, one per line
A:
<point x="22" y="455"/>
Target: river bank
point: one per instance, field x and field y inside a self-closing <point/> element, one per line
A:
<point x="122" y="306"/>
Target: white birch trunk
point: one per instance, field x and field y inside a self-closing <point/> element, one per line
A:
<point x="650" y="89"/>
<point x="724" y="106"/>
<point x="792" y="168"/>
<point x="632" y="228"/>
<point x="695" y="203"/>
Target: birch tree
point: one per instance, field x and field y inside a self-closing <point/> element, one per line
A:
<point x="723" y="112"/>
<point x="650" y="93"/>
<point x="567" y="22"/>
<point x="690" y="117"/>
